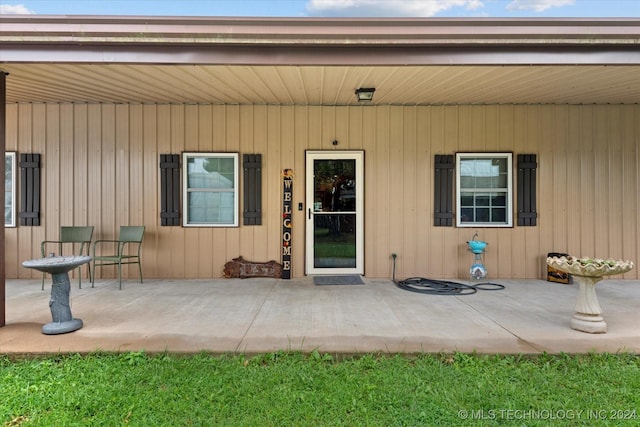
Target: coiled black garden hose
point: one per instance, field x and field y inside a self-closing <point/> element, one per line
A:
<point x="440" y="287"/>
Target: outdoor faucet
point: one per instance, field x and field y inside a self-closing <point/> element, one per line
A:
<point x="474" y="236"/>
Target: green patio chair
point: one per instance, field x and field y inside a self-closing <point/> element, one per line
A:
<point x="129" y="236"/>
<point x="71" y="237"/>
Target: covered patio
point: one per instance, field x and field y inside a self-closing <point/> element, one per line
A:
<point x="264" y="315"/>
<point x="102" y="99"/>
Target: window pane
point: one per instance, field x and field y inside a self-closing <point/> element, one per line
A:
<point x="225" y="166"/>
<point x="334" y="185"/>
<point x="8" y="188"/>
<point x="334" y="241"/>
<point x="207" y="172"/>
<point x="467" y="182"/>
<point x="476" y="174"/>
<point x="482" y="215"/>
<point x="498" y="215"/>
<point x="483" y="173"/>
<point x="500" y="163"/>
<point x="499" y="181"/>
<point x="499" y="199"/>
<point x="210" y="208"/>
<point x="210" y="195"/>
<point x="466" y="199"/>
<point x="482" y="199"/>
<point x="466" y="215"/>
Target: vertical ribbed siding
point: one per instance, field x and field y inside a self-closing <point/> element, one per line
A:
<point x="100" y="168"/>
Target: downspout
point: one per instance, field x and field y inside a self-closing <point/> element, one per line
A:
<point x="3" y="146"/>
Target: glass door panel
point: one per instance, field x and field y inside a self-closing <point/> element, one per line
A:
<point x="334" y="198"/>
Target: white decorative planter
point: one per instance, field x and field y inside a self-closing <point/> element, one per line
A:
<point x="588" y="272"/>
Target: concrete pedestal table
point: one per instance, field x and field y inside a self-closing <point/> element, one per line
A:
<point x="588" y="272"/>
<point x="59" y="268"/>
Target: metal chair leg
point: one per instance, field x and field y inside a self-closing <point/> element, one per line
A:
<point x="120" y="274"/>
<point x="140" y="268"/>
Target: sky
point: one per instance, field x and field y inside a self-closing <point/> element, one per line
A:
<point x="332" y="8"/>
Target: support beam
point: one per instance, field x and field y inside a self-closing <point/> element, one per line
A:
<point x="3" y="146"/>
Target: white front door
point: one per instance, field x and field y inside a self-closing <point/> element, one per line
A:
<point x="334" y="201"/>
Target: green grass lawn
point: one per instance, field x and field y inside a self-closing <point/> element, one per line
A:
<point x="293" y="389"/>
<point x="341" y="245"/>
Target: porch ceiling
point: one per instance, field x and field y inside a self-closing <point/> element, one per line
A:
<point x="322" y="85"/>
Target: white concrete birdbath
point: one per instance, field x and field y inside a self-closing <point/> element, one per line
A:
<point x="59" y="267"/>
<point x="588" y="272"/>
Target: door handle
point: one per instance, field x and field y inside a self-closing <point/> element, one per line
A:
<point x="309" y="213"/>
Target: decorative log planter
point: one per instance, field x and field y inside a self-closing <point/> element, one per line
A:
<point x="243" y="269"/>
<point x="588" y="272"/>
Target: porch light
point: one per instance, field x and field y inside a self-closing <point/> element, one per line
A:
<point x="365" y="94"/>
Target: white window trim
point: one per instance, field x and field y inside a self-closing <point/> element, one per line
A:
<point x="236" y="195"/>
<point x="509" y="213"/>
<point x="14" y="180"/>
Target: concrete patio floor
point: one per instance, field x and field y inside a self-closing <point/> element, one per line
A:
<point x="263" y="315"/>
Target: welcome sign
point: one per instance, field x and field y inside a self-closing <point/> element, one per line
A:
<point x="287" y="197"/>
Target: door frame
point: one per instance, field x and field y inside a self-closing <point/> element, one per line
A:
<point x="310" y="156"/>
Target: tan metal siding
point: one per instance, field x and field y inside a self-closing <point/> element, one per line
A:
<point x="11" y="255"/>
<point x="100" y="167"/>
<point x="631" y="187"/>
<point x="149" y="197"/>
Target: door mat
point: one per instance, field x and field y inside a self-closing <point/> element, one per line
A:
<point x="338" y="280"/>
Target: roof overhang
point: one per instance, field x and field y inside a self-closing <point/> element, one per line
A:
<point x="71" y="48"/>
<point x="316" y="32"/>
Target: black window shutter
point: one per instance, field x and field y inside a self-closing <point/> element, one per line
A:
<point x="252" y="167"/>
<point x="170" y="189"/>
<point x="29" y="189"/>
<point x="443" y="194"/>
<point x="527" y="214"/>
